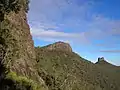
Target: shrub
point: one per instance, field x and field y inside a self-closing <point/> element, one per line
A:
<point x="12" y="5"/>
<point x="24" y="81"/>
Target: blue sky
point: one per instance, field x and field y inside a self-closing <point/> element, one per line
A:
<point x="92" y="27"/>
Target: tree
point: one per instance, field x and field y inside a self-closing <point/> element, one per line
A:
<point x="12" y="5"/>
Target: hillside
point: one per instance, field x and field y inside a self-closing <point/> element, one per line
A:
<point x="69" y="71"/>
<point x="52" y="67"/>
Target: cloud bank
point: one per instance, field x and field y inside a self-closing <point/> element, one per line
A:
<point x="74" y="21"/>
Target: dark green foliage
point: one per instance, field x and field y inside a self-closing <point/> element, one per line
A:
<point x="1" y="16"/>
<point x="13" y="5"/>
<point x="49" y="79"/>
<point x="7" y="39"/>
<point x="26" y="5"/>
<point x="7" y="6"/>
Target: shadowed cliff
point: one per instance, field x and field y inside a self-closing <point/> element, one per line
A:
<point x="17" y="55"/>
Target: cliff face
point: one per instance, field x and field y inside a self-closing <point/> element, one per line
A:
<point x="59" y="46"/>
<point x="22" y="42"/>
<point x="16" y="47"/>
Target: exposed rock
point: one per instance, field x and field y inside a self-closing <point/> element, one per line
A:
<point x="59" y="46"/>
<point x="16" y="48"/>
<point x="101" y="59"/>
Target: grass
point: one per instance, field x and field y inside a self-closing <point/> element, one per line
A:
<point x="22" y="80"/>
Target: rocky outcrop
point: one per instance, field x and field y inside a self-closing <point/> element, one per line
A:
<point x="59" y="46"/>
<point x="22" y="42"/>
<point x="101" y="59"/>
<point x="16" y="47"/>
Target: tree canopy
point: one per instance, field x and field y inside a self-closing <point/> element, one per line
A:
<point x="12" y="5"/>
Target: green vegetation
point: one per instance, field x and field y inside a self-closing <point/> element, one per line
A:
<point x="11" y="51"/>
<point x="24" y="81"/>
<point x="8" y="42"/>
<point x="60" y="69"/>
<point x="68" y="71"/>
<point x="7" y="6"/>
<point x="12" y="81"/>
<point x="13" y="5"/>
<point x="14" y="55"/>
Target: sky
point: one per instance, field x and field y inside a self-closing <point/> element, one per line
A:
<point x="92" y="27"/>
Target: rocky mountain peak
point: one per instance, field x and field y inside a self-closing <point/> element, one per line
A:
<point x="60" y="46"/>
<point x="101" y="59"/>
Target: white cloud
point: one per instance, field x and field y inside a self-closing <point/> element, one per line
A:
<point x="49" y="18"/>
<point x="65" y="12"/>
<point x="52" y="35"/>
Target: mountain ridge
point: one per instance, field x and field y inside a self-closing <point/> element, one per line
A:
<point x="53" y="67"/>
<point x="63" y="66"/>
<point x="59" y="46"/>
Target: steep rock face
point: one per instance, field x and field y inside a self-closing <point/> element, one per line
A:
<point x="59" y="46"/>
<point x="23" y="41"/>
<point x="16" y="47"/>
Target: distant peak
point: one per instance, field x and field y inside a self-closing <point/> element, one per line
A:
<point x="101" y="59"/>
<point x="103" y="62"/>
<point x="62" y="43"/>
<point x="60" y="46"/>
